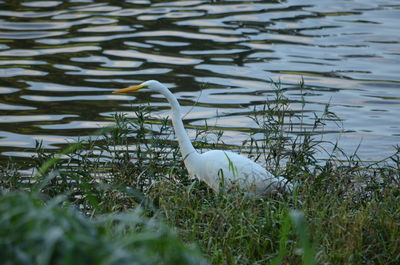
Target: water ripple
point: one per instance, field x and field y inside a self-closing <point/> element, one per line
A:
<point x="42" y="4"/>
<point x="153" y="57"/>
<point x="31" y="118"/>
<point x="33" y="25"/>
<point x="30" y="35"/>
<point x="47" y="51"/>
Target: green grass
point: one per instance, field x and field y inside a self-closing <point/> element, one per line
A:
<point x="343" y="211"/>
<point x="34" y="231"/>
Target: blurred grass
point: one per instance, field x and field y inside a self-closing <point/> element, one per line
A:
<point x="55" y="232"/>
<point x="112" y="198"/>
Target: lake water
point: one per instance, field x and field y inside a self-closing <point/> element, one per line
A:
<point x="60" y="60"/>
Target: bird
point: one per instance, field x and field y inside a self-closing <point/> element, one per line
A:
<point x="219" y="169"/>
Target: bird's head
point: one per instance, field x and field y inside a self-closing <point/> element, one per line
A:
<point x="151" y="85"/>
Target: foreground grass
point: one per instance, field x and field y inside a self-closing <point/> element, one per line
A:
<point x="34" y="232"/>
<point x="344" y="211"/>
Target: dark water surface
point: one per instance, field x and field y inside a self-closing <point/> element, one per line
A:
<point x="60" y="60"/>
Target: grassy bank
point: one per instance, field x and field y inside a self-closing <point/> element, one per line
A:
<point x="343" y="211"/>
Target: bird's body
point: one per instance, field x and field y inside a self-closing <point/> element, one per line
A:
<point x="217" y="168"/>
<point x="220" y="168"/>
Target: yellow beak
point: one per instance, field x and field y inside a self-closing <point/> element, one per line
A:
<point x="128" y="89"/>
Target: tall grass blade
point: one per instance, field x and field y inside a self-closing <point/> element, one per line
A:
<point x="306" y="247"/>
<point x="41" y="178"/>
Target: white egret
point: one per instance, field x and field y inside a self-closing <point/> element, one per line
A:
<point x="216" y="167"/>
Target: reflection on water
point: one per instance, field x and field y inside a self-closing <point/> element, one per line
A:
<point x="60" y="60"/>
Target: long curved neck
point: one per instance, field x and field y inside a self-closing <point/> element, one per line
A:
<point x="185" y="145"/>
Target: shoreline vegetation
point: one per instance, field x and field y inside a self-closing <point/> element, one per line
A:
<point x="124" y="197"/>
